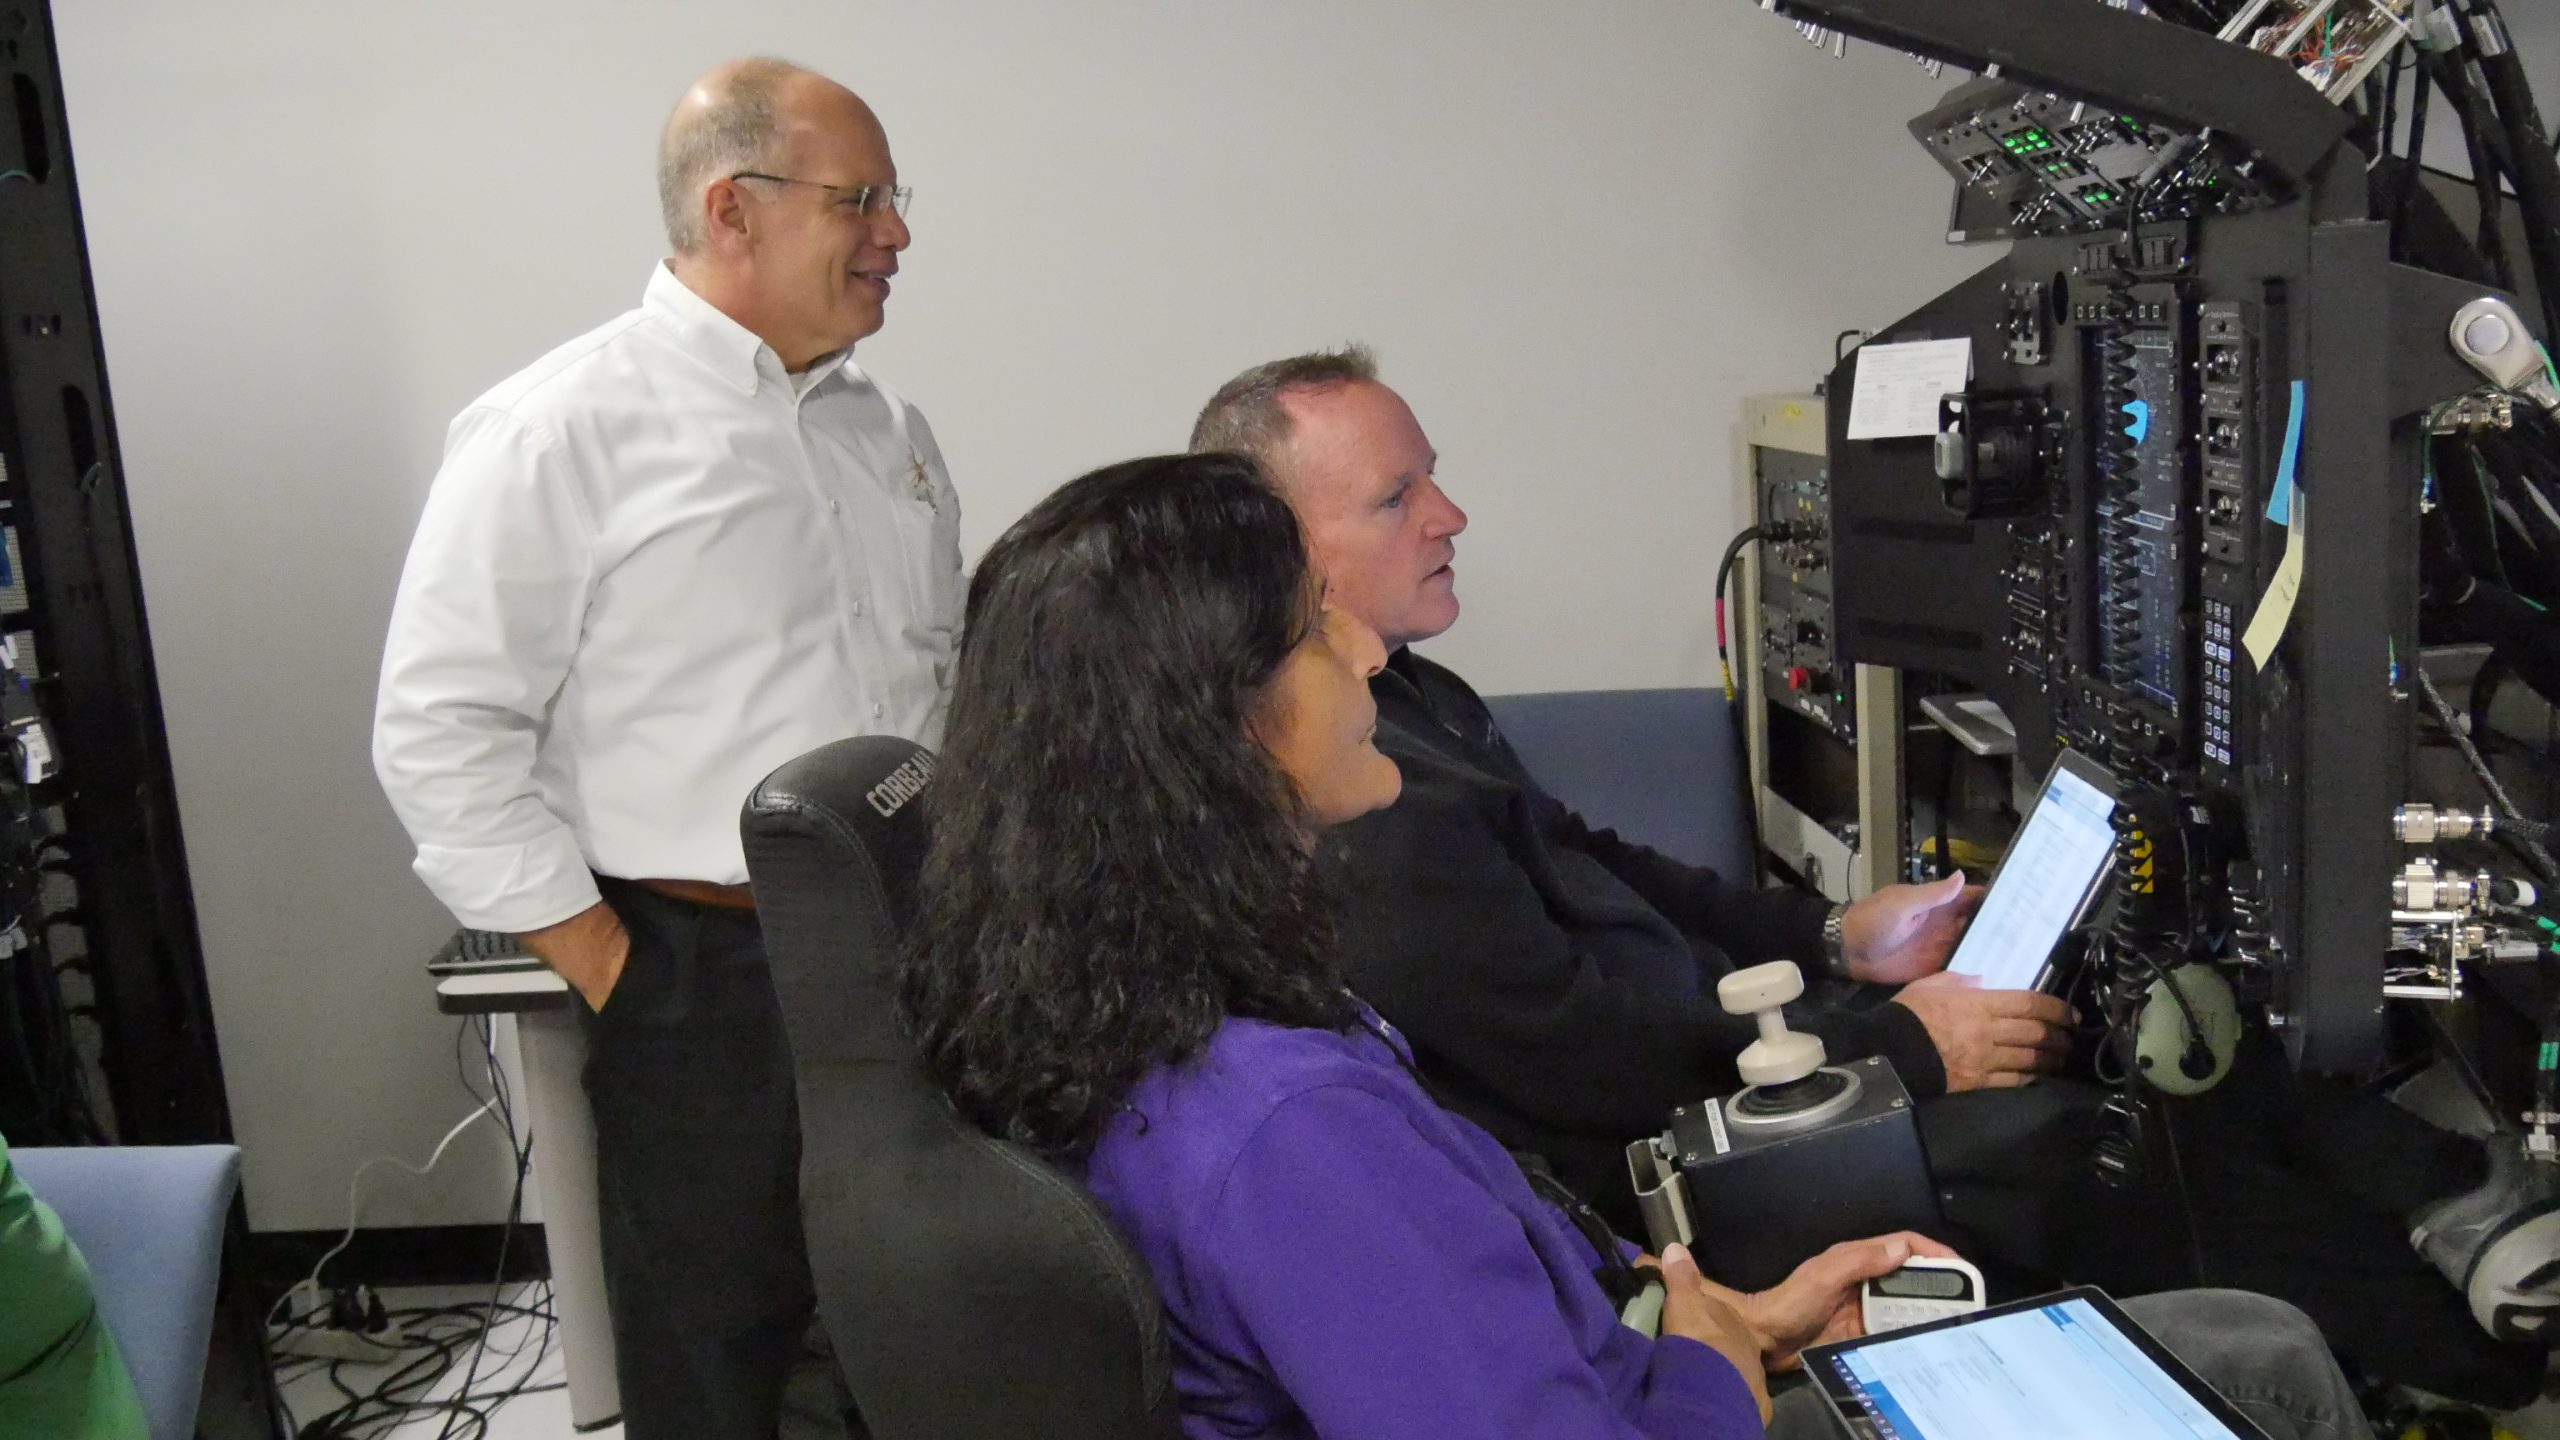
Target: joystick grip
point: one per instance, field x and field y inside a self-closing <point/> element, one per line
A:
<point x="1762" y="987"/>
<point x="1779" y="1055"/>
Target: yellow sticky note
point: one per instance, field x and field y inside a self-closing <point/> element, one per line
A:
<point x="2275" y="608"/>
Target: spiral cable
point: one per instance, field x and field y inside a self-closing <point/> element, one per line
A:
<point x="2134" y="930"/>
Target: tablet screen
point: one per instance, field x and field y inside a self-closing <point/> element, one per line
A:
<point x="2058" y="1371"/>
<point x="2043" y="882"/>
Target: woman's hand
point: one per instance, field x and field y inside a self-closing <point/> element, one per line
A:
<point x="1706" y="1313"/>
<point x="1818" y="1304"/>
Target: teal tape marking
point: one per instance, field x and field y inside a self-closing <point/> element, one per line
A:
<point x="2280" y="504"/>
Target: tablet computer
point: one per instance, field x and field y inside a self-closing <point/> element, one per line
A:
<point x="2048" y="880"/>
<point x="2065" y="1366"/>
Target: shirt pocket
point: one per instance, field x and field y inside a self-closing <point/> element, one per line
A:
<point x="929" y="525"/>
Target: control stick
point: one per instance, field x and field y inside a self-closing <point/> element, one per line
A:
<point x="1784" y="1081"/>
<point x="1780" y="1055"/>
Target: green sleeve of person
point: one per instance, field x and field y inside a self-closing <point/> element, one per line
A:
<point x="60" y="1374"/>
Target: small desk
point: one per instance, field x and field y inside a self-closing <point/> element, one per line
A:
<point x="564" y="1168"/>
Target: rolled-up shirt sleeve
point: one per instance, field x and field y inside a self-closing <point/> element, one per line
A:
<point x="482" y="634"/>
<point x="1392" y="1297"/>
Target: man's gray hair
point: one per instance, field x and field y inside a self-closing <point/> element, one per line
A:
<point x="1246" y="416"/>
<point x="734" y="132"/>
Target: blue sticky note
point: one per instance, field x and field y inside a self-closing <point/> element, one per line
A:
<point x="2138" y="419"/>
<point x="2280" y="503"/>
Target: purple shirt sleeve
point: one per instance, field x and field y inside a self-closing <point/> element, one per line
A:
<point x="1392" y="1295"/>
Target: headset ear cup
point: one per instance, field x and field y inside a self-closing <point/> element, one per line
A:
<point x="2186" y="1049"/>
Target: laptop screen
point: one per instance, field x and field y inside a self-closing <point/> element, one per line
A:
<point x="2062" y="1371"/>
<point x="2044" y="882"/>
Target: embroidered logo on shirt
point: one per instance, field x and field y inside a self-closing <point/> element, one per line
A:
<point x="921" y="480"/>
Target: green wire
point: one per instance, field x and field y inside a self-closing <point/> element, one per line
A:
<point x="2489" y="498"/>
<point x="2548" y="373"/>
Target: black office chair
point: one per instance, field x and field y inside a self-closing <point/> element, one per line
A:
<point x="971" y="1291"/>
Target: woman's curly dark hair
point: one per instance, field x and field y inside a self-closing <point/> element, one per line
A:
<point x="1116" y="864"/>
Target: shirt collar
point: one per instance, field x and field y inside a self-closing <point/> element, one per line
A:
<point x="731" y="350"/>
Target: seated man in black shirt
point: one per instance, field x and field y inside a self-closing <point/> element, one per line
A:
<point x="1557" y="982"/>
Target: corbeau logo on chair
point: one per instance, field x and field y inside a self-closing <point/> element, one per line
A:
<point x="904" y="784"/>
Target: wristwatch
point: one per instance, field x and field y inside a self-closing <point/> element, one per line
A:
<point x="1835" y="944"/>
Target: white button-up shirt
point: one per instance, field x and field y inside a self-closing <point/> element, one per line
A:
<point x="653" y="567"/>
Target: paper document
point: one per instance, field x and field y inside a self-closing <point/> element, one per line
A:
<point x="1895" y="389"/>
<point x="2275" y="608"/>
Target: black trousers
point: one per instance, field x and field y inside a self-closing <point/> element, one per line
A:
<point x="697" y="1174"/>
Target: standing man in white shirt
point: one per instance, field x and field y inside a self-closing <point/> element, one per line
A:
<point x="662" y="560"/>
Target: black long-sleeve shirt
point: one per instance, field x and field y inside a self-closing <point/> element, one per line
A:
<point x="1558" y="983"/>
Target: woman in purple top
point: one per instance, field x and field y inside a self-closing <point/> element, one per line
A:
<point x="1123" y="960"/>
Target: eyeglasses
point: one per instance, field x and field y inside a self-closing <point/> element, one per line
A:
<point x="863" y="200"/>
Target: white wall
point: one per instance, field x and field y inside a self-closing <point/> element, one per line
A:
<point x="1578" y="233"/>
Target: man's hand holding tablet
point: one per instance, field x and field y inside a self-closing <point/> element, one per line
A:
<point x="1989" y="1039"/>
<point x="1903" y="932"/>
<point x="1986" y="1014"/>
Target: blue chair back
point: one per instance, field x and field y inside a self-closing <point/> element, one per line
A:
<point x="1661" y="767"/>
<point x="149" y="1219"/>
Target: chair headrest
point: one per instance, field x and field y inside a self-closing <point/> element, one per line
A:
<point x="835" y="842"/>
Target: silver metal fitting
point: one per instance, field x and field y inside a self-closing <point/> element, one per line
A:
<point x="2426" y="824"/>
<point x="2421" y="888"/>
<point x="2473" y="412"/>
